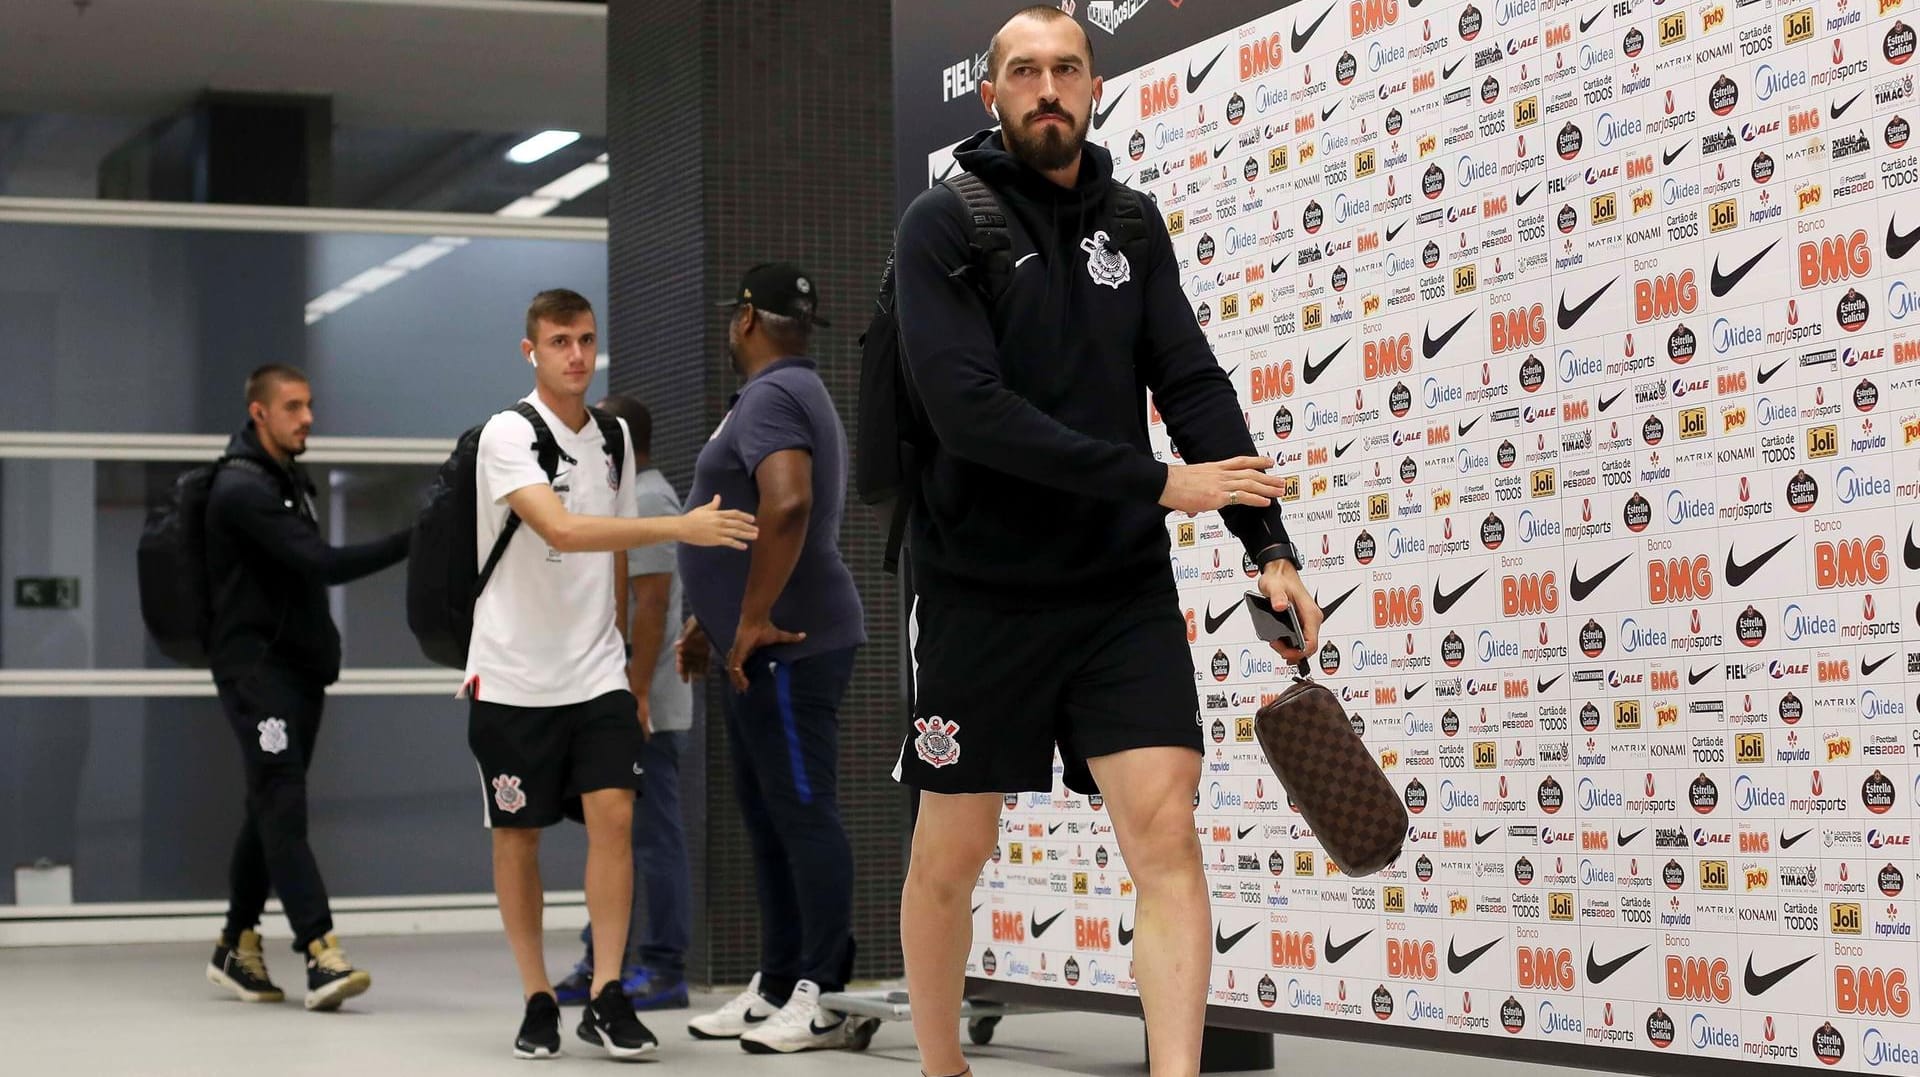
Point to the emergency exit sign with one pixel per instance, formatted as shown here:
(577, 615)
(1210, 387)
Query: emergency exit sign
(46, 592)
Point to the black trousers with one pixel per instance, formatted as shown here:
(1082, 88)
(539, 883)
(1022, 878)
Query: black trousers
(276, 718)
(784, 736)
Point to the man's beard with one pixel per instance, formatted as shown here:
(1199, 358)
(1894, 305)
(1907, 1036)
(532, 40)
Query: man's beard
(1048, 149)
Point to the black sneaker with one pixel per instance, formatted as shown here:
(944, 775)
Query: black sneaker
(331, 978)
(540, 1030)
(609, 1021)
(242, 969)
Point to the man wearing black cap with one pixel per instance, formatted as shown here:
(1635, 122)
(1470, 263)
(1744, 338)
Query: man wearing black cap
(788, 621)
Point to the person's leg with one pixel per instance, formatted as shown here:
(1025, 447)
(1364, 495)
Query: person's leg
(516, 882)
(780, 944)
(660, 842)
(277, 722)
(952, 839)
(609, 815)
(247, 880)
(800, 778)
(1149, 795)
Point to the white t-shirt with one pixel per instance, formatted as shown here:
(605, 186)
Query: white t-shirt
(543, 630)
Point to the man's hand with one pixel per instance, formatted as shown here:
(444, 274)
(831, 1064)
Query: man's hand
(1282, 585)
(693, 651)
(1196, 488)
(711, 525)
(645, 710)
(754, 636)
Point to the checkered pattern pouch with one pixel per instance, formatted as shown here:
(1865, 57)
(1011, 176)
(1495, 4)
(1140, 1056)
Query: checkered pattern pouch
(1331, 778)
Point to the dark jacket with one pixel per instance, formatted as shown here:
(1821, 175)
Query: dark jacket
(269, 569)
(1044, 487)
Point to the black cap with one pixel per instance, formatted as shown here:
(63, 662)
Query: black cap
(779, 288)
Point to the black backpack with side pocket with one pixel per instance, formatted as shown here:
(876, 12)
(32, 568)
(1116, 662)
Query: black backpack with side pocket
(176, 590)
(895, 439)
(443, 581)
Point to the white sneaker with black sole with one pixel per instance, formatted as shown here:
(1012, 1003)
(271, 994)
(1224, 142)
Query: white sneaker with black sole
(801, 1025)
(747, 1011)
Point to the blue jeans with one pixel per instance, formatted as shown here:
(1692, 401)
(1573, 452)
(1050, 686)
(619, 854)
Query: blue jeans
(663, 882)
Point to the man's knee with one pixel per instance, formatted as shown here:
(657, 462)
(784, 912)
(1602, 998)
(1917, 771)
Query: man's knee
(513, 841)
(609, 815)
(277, 797)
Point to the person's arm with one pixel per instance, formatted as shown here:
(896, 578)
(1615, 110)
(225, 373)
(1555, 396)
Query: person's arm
(785, 479)
(509, 467)
(955, 365)
(649, 594)
(620, 597)
(1192, 393)
(252, 509)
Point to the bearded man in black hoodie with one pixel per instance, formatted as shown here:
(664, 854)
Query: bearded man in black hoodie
(1046, 614)
(274, 651)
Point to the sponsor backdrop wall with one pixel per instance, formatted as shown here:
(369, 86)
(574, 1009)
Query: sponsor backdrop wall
(1583, 331)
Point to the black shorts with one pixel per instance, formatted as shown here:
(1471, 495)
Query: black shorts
(536, 762)
(995, 692)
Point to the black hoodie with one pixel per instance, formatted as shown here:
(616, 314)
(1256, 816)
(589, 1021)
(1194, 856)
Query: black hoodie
(269, 569)
(1044, 488)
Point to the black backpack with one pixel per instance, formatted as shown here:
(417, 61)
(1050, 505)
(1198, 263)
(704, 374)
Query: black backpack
(442, 582)
(894, 437)
(176, 592)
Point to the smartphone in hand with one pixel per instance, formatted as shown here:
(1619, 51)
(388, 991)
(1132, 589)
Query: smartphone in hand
(1282, 626)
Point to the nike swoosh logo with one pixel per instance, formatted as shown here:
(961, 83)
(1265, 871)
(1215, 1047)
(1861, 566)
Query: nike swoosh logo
(1696, 676)
(1580, 588)
(1341, 450)
(1898, 243)
(1040, 926)
(1912, 552)
(1480, 836)
(977, 908)
(1243, 833)
(1314, 370)
(1431, 347)
(1599, 972)
(1607, 402)
(1521, 199)
(1022, 260)
(813, 1026)
(1464, 427)
(1570, 316)
(1221, 148)
(1299, 39)
(1393, 232)
(1126, 934)
(1326, 611)
(1100, 114)
(1738, 574)
(1667, 158)
(1415, 690)
(1624, 839)
(1447, 71)
(1458, 963)
(1761, 983)
(1722, 284)
(1193, 82)
(1868, 669)
(1336, 951)
(1541, 686)
(1587, 23)
(1054, 828)
(1275, 267)
(1214, 622)
(756, 1018)
(1223, 943)
(1444, 600)
(1834, 112)
(1767, 375)
(1788, 843)
(1327, 113)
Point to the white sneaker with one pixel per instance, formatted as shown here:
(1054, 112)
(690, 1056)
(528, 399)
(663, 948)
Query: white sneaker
(801, 1025)
(748, 1010)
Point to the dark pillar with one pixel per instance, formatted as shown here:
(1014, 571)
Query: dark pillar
(743, 131)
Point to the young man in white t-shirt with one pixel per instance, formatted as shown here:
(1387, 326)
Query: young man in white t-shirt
(552, 724)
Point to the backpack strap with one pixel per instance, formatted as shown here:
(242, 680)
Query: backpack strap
(989, 235)
(549, 453)
(615, 442)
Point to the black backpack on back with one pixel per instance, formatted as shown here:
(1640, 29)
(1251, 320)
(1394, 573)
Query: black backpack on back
(176, 591)
(894, 437)
(442, 581)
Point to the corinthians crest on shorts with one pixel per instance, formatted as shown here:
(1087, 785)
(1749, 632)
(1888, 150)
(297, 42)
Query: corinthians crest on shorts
(938, 743)
(1105, 263)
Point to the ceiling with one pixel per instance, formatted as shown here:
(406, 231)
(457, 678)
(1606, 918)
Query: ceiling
(498, 66)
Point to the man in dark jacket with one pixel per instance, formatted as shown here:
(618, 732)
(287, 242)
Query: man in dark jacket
(274, 650)
(1046, 613)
